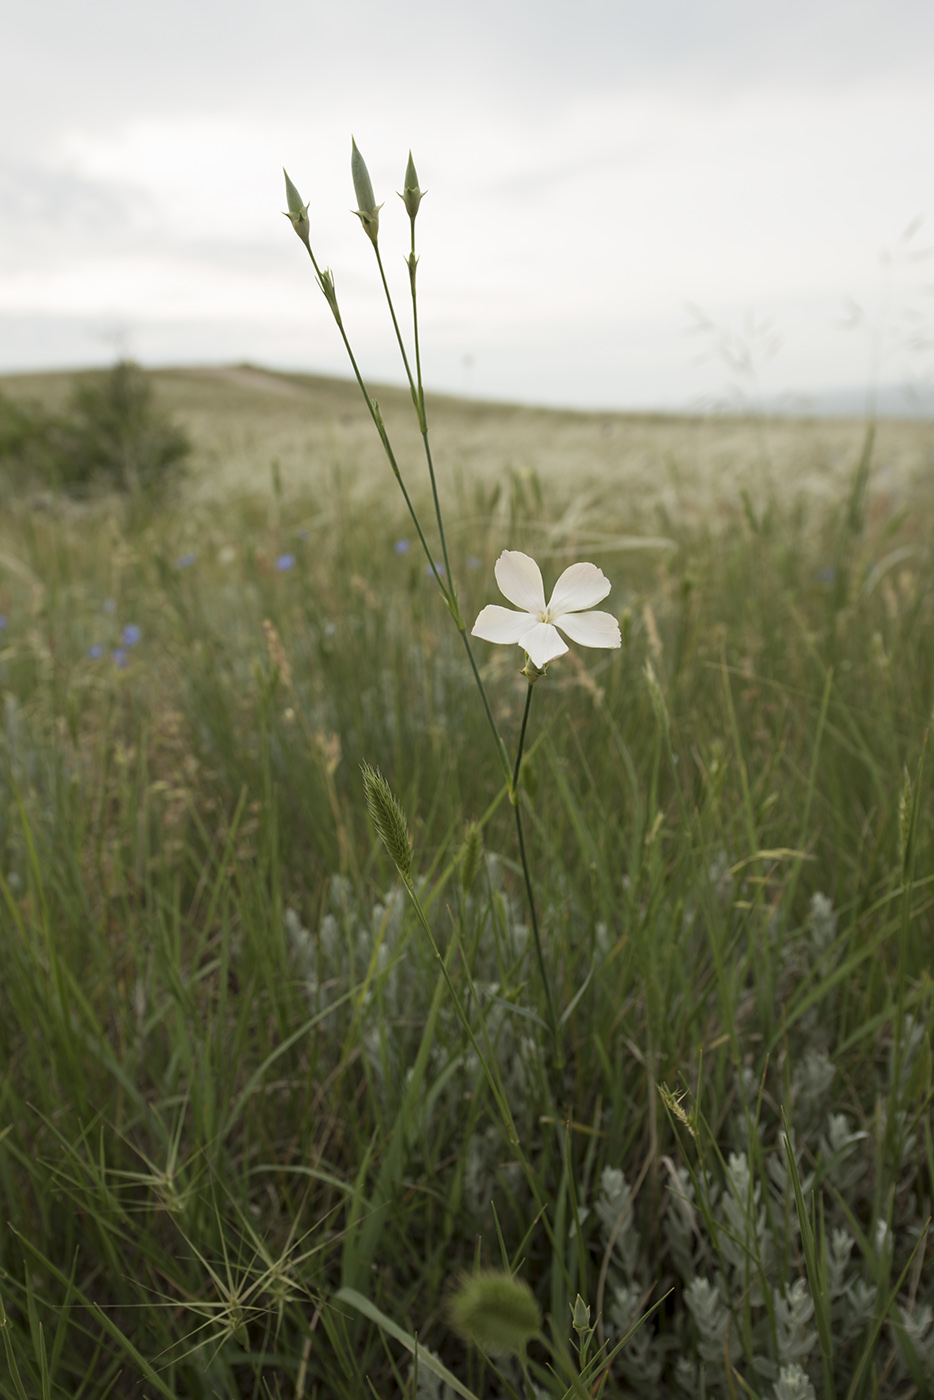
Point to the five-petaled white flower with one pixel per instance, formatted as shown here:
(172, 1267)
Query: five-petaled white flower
(535, 628)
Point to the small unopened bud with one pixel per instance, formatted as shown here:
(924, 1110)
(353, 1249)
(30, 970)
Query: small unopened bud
(367, 210)
(297, 212)
(580, 1316)
(378, 419)
(411, 195)
(497, 1312)
(326, 283)
(389, 819)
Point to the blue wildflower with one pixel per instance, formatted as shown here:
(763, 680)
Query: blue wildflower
(131, 635)
(96, 651)
(438, 568)
(121, 657)
(4, 623)
(285, 562)
(401, 546)
(473, 562)
(185, 561)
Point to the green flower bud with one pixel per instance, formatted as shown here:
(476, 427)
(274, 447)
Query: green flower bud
(411, 195)
(389, 819)
(367, 210)
(297, 212)
(496, 1311)
(580, 1316)
(326, 283)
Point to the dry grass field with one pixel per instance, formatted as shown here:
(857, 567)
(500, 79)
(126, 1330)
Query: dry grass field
(690, 468)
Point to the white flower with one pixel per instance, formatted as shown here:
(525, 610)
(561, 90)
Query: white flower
(535, 628)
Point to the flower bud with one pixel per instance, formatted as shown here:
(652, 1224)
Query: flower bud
(367, 210)
(297, 212)
(326, 283)
(411, 195)
(580, 1316)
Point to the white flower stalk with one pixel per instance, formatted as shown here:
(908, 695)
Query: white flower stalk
(569, 608)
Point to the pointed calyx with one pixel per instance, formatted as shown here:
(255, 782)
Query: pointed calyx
(367, 210)
(411, 195)
(297, 212)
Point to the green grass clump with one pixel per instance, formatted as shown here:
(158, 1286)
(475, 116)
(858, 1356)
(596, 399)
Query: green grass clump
(244, 1091)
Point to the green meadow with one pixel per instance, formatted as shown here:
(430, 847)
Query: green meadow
(266, 1115)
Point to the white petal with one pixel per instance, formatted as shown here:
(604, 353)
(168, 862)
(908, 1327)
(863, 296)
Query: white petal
(579, 587)
(543, 643)
(520, 580)
(591, 629)
(496, 624)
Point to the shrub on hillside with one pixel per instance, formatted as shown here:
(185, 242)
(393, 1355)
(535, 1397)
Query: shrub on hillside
(115, 436)
(111, 436)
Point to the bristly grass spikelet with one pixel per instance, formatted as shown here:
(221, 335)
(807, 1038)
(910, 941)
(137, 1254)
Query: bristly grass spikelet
(471, 854)
(388, 817)
(496, 1312)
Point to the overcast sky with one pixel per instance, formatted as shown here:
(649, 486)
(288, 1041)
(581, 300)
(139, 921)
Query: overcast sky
(593, 170)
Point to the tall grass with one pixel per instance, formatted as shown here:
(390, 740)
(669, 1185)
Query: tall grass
(247, 1143)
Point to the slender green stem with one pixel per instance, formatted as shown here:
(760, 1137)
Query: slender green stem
(536, 934)
(446, 587)
(419, 391)
(418, 398)
(387, 448)
(395, 324)
(489, 1065)
(419, 394)
(413, 264)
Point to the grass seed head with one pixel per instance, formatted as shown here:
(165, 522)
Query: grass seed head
(657, 698)
(471, 855)
(496, 1312)
(389, 819)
